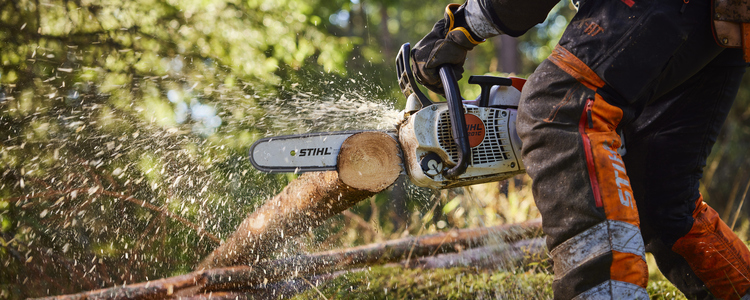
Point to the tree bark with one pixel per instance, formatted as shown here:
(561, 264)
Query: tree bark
(368, 163)
(270, 271)
(491, 257)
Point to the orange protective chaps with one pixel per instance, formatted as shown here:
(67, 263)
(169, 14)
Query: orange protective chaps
(715, 254)
(603, 210)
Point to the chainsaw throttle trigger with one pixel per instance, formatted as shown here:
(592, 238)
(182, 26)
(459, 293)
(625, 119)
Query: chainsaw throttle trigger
(458, 121)
(487, 82)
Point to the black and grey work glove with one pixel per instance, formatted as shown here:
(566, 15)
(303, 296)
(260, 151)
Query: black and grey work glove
(447, 43)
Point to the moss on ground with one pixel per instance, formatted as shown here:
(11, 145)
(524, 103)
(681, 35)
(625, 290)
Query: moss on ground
(454, 283)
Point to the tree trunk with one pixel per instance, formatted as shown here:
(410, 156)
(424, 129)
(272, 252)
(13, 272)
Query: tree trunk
(368, 163)
(386, 39)
(507, 54)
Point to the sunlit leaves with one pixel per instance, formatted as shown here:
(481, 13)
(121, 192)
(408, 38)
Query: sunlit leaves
(157, 111)
(151, 168)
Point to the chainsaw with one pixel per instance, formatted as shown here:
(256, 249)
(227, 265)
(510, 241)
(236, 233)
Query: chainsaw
(444, 144)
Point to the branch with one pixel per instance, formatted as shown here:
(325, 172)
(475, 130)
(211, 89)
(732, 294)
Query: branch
(360, 221)
(167, 213)
(489, 257)
(46, 194)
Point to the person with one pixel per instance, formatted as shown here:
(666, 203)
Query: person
(651, 72)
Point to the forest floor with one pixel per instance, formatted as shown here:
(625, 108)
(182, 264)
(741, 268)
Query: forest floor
(395, 282)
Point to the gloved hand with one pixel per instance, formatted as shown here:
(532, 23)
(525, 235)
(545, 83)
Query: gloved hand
(447, 43)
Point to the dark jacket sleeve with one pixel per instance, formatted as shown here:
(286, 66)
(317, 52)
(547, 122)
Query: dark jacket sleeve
(515, 17)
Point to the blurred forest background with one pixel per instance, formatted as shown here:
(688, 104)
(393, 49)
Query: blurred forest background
(125, 126)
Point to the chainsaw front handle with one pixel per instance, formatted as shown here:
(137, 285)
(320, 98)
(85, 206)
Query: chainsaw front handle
(458, 121)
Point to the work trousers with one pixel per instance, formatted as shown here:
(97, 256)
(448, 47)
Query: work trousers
(650, 73)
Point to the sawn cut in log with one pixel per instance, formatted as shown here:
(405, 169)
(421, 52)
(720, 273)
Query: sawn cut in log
(407, 250)
(368, 163)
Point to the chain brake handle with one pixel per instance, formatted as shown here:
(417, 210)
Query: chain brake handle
(458, 121)
(406, 79)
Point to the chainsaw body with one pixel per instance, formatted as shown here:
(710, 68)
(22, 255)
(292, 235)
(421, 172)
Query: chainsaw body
(444, 144)
(427, 136)
(429, 149)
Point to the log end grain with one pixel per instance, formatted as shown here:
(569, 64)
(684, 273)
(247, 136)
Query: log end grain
(369, 161)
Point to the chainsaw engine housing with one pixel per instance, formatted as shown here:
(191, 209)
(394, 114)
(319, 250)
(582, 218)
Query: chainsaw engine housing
(429, 147)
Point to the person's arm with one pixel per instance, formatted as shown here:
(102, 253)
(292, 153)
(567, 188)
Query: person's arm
(465, 26)
(511, 17)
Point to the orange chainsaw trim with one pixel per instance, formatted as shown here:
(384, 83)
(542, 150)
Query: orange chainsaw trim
(518, 83)
(716, 254)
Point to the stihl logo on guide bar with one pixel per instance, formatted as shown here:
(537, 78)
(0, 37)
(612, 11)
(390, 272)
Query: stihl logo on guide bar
(315, 151)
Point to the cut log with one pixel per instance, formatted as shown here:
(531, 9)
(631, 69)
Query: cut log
(364, 163)
(270, 271)
(368, 163)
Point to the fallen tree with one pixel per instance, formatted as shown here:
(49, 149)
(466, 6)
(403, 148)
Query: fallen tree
(368, 163)
(491, 258)
(405, 251)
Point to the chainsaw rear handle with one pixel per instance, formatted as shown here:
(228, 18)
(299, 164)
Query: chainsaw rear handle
(458, 121)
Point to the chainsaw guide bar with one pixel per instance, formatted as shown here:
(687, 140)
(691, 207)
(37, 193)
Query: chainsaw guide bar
(299, 153)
